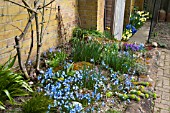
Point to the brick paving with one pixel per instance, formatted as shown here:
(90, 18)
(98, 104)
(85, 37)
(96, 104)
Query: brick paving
(162, 86)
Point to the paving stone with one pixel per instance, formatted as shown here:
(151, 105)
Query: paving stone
(167, 75)
(162, 106)
(166, 88)
(167, 63)
(158, 100)
(162, 89)
(162, 56)
(160, 72)
(167, 71)
(159, 83)
(164, 111)
(165, 96)
(156, 110)
(166, 102)
(166, 82)
(161, 63)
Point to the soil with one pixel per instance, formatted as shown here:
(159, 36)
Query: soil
(161, 34)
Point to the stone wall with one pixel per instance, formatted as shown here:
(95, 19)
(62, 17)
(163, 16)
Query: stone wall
(13, 19)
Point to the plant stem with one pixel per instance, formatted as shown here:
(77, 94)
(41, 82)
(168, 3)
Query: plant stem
(23, 69)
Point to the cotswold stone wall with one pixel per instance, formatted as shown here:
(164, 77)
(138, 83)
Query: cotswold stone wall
(13, 19)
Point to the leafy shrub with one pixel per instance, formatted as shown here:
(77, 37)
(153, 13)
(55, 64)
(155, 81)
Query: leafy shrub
(11, 84)
(37, 104)
(83, 51)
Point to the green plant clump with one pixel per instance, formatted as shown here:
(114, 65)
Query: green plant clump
(37, 104)
(82, 33)
(56, 58)
(83, 51)
(11, 84)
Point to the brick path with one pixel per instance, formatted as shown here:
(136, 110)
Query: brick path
(162, 86)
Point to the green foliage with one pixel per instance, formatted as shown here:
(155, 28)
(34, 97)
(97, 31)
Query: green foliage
(118, 61)
(83, 51)
(82, 33)
(138, 18)
(140, 69)
(37, 104)
(57, 58)
(11, 84)
(113, 111)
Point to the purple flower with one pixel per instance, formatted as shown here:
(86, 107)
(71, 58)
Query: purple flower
(51, 50)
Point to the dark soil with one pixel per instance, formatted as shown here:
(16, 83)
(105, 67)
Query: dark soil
(161, 34)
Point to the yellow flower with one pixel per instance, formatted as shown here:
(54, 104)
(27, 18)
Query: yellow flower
(129, 35)
(127, 32)
(140, 12)
(108, 28)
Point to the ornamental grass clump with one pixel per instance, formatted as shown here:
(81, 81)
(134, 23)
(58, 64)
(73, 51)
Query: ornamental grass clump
(11, 84)
(118, 61)
(85, 51)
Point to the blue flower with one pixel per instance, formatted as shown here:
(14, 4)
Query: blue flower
(134, 30)
(58, 85)
(120, 87)
(114, 76)
(51, 50)
(116, 82)
(128, 100)
(128, 26)
(141, 46)
(103, 103)
(75, 87)
(53, 88)
(42, 81)
(39, 77)
(73, 110)
(30, 62)
(92, 60)
(98, 96)
(112, 101)
(49, 106)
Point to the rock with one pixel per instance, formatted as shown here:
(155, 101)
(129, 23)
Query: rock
(162, 15)
(149, 79)
(154, 44)
(168, 17)
(141, 107)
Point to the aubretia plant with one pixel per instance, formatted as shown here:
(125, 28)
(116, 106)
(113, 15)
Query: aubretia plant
(133, 47)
